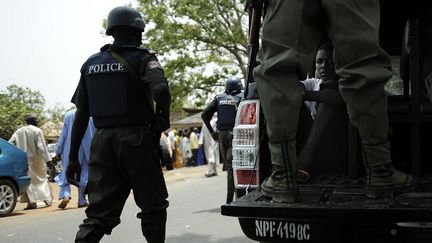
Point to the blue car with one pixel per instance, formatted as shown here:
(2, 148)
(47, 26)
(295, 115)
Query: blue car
(14, 179)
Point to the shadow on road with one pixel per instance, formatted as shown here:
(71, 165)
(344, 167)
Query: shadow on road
(213, 210)
(196, 238)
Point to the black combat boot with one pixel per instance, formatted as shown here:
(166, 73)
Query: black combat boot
(153, 225)
(382, 179)
(281, 185)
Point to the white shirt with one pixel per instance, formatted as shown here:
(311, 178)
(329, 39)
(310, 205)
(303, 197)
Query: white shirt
(171, 139)
(312, 84)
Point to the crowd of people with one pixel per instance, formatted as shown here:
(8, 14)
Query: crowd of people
(189, 147)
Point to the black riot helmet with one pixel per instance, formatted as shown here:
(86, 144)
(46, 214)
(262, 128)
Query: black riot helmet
(233, 84)
(124, 16)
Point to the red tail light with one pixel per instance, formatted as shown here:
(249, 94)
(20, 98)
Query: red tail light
(246, 145)
(246, 177)
(247, 114)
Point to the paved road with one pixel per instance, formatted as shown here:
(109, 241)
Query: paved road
(193, 216)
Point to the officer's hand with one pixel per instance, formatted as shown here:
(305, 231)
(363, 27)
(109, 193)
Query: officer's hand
(73, 172)
(162, 123)
(215, 136)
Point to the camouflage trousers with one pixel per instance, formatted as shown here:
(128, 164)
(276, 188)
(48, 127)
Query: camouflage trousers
(292, 32)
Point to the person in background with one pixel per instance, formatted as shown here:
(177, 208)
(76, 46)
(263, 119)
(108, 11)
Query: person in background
(185, 147)
(178, 154)
(62, 152)
(211, 148)
(165, 150)
(201, 159)
(225, 104)
(171, 139)
(194, 146)
(31, 140)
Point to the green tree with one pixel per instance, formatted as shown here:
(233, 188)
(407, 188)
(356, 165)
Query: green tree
(15, 103)
(56, 114)
(200, 44)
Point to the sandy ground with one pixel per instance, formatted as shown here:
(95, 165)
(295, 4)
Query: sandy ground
(173, 176)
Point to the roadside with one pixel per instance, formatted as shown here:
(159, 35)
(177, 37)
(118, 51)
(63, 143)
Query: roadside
(173, 176)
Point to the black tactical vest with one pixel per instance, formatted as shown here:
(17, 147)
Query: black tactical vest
(226, 110)
(116, 97)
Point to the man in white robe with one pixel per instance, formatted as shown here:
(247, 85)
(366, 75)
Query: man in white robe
(211, 148)
(185, 148)
(30, 139)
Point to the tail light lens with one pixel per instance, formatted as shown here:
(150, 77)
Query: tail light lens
(246, 177)
(246, 145)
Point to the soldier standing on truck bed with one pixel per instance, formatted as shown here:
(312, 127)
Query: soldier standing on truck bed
(117, 88)
(225, 105)
(292, 31)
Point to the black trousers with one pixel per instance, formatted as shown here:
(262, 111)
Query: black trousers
(325, 149)
(225, 149)
(193, 160)
(121, 160)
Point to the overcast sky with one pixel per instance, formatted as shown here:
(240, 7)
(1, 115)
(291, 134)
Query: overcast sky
(43, 43)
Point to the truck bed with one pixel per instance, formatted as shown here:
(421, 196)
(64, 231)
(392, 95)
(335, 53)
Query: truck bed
(339, 214)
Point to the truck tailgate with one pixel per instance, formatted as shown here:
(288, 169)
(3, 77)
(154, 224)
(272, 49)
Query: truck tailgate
(324, 213)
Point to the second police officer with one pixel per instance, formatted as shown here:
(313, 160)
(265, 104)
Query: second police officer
(118, 86)
(225, 104)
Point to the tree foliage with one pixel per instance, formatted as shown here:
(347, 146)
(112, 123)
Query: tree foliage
(200, 43)
(56, 114)
(15, 103)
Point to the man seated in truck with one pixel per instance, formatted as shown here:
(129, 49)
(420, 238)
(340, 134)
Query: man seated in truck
(292, 31)
(326, 140)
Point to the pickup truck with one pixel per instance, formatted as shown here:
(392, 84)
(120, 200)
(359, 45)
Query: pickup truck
(335, 208)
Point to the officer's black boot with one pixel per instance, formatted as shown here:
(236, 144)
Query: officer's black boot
(94, 238)
(153, 226)
(230, 183)
(230, 186)
(90, 231)
(281, 185)
(382, 180)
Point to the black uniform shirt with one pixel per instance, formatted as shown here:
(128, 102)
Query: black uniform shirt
(139, 111)
(226, 106)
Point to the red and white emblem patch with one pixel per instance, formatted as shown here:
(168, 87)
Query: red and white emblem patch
(153, 65)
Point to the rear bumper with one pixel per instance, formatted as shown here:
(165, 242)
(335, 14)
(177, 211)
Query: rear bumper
(339, 215)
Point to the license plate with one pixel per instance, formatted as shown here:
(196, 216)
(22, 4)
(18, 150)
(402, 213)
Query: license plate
(289, 230)
(282, 230)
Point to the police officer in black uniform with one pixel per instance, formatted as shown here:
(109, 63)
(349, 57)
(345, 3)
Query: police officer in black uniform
(225, 105)
(118, 87)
